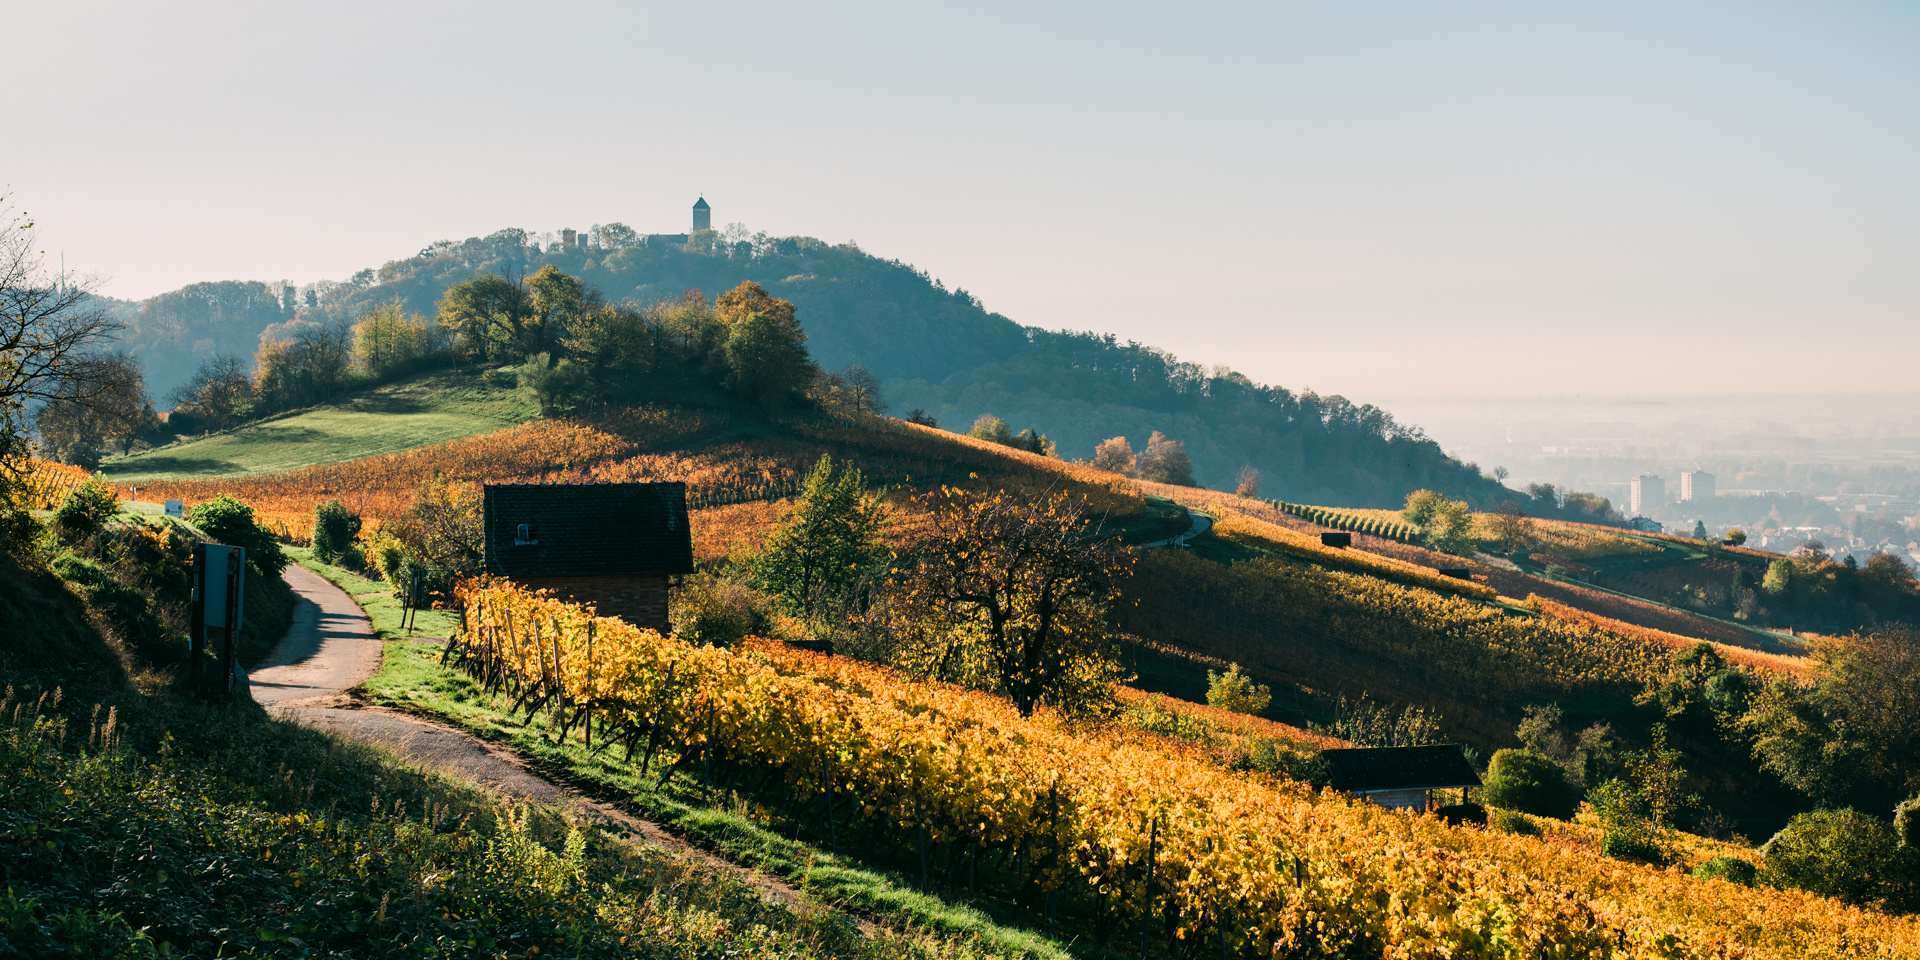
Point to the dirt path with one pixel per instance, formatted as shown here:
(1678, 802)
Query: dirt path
(1201, 524)
(330, 648)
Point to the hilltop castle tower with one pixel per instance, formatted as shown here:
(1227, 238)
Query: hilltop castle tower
(702, 215)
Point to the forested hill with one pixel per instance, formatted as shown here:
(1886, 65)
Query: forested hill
(931, 347)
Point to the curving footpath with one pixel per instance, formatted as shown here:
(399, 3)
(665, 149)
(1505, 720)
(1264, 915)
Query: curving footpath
(330, 649)
(1201, 524)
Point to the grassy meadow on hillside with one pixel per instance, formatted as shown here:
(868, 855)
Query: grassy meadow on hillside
(420, 411)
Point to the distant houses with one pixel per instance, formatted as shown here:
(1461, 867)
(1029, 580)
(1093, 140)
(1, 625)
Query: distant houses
(613, 545)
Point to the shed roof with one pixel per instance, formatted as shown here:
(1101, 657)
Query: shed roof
(578, 529)
(1366, 769)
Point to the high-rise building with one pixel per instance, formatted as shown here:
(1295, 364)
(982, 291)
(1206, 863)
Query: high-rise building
(702, 215)
(1648, 492)
(1696, 485)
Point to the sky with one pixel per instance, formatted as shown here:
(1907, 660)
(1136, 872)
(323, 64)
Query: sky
(1361, 198)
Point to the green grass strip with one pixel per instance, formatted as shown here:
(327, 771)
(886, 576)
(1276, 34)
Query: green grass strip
(412, 679)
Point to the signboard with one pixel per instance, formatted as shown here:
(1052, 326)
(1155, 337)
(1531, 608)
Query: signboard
(176, 509)
(219, 604)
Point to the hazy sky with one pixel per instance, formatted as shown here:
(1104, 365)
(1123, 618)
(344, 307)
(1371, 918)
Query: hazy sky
(1362, 198)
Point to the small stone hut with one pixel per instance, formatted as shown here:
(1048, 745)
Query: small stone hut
(1400, 777)
(614, 545)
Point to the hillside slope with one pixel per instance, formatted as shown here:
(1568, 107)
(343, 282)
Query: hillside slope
(932, 348)
(1317, 625)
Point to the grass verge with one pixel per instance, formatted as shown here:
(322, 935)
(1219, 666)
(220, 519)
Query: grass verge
(376, 598)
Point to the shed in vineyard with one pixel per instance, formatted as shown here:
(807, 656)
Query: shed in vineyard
(616, 546)
(1400, 777)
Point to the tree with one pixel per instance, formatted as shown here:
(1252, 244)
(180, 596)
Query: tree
(1446, 524)
(767, 361)
(991, 429)
(853, 390)
(1736, 537)
(556, 387)
(1512, 529)
(827, 544)
(1236, 691)
(1247, 484)
(219, 394)
(1115, 455)
(1530, 783)
(863, 389)
(442, 534)
(334, 527)
(51, 334)
(1014, 595)
(556, 301)
(751, 299)
(921, 417)
(1659, 779)
(311, 362)
(388, 341)
(616, 236)
(491, 312)
(1699, 529)
(113, 410)
(1165, 461)
(1032, 441)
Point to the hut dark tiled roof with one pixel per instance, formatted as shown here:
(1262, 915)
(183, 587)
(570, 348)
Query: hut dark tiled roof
(575, 529)
(1367, 769)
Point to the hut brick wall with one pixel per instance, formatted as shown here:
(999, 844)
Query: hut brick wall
(637, 598)
(1397, 799)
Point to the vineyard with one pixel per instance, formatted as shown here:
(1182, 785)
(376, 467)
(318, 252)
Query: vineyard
(1237, 526)
(1375, 523)
(615, 448)
(1577, 543)
(48, 483)
(1339, 632)
(1743, 656)
(1137, 837)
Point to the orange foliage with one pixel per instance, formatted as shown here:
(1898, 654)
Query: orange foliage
(1772, 662)
(1273, 862)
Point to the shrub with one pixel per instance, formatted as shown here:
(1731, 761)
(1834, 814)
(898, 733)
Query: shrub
(717, 611)
(1526, 781)
(86, 508)
(334, 527)
(1511, 821)
(1631, 845)
(1730, 869)
(556, 387)
(1906, 823)
(1844, 854)
(231, 522)
(1463, 814)
(389, 557)
(1236, 691)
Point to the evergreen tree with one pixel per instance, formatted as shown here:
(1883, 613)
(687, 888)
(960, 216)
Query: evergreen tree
(829, 541)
